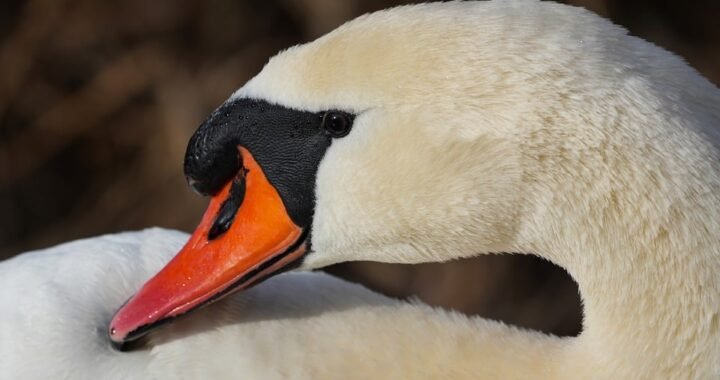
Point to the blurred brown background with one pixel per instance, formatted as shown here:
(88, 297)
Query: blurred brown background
(98, 100)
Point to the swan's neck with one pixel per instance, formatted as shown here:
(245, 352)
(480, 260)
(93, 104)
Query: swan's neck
(642, 243)
(645, 315)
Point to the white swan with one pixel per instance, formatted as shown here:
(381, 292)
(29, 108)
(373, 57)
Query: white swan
(438, 131)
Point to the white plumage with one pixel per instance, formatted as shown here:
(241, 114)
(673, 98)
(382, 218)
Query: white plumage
(57, 303)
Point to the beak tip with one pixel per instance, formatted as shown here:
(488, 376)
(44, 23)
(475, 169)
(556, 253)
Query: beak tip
(113, 332)
(124, 344)
(116, 342)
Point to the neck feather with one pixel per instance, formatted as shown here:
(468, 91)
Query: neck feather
(637, 226)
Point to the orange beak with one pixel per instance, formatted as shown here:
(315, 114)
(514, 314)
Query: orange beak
(245, 236)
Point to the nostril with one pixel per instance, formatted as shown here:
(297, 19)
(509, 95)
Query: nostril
(230, 206)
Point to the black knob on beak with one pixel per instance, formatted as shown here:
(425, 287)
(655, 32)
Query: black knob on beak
(212, 157)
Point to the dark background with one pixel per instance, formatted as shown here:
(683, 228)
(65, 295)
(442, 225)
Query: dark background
(99, 98)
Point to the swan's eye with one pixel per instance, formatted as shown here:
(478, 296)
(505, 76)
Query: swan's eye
(336, 124)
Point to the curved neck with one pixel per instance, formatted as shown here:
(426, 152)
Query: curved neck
(642, 243)
(649, 307)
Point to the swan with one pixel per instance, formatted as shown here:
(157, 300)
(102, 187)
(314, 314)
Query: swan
(439, 131)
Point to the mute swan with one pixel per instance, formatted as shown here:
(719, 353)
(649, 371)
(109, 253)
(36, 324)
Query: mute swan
(438, 131)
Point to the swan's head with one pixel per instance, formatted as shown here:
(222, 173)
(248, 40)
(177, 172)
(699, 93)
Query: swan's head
(391, 139)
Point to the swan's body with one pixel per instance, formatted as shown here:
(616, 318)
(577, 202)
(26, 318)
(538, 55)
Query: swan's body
(296, 326)
(63, 298)
(513, 126)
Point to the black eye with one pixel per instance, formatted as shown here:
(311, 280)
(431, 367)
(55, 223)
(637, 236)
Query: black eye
(337, 124)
